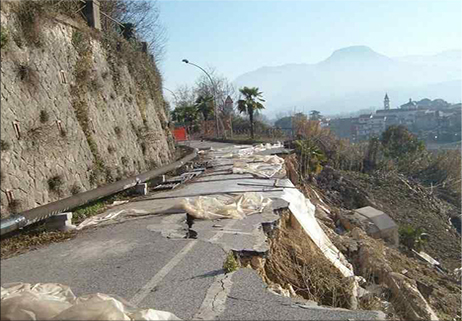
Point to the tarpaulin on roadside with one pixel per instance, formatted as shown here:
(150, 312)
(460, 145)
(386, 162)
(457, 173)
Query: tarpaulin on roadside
(52, 301)
(94, 220)
(238, 207)
(260, 166)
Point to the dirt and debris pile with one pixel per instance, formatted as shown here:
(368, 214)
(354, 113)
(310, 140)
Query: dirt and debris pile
(407, 202)
(294, 261)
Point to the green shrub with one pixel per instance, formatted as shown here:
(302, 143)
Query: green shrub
(4, 145)
(230, 264)
(80, 41)
(29, 14)
(87, 211)
(15, 206)
(44, 116)
(75, 189)
(398, 141)
(27, 74)
(55, 183)
(109, 176)
(4, 37)
(411, 237)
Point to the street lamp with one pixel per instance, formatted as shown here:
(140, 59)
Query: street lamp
(173, 94)
(176, 101)
(186, 61)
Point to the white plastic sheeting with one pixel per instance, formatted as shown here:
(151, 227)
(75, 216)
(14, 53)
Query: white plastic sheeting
(204, 207)
(243, 151)
(52, 301)
(260, 166)
(303, 210)
(98, 219)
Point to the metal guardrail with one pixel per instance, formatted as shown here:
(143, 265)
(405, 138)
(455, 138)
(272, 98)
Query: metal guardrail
(17, 221)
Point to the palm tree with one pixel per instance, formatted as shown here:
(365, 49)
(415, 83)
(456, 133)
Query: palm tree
(186, 115)
(204, 105)
(251, 103)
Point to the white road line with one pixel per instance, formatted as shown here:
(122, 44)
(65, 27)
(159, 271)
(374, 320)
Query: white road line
(146, 289)
(158, 277)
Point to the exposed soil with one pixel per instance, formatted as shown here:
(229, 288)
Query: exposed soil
(295, 260)
(406, 202)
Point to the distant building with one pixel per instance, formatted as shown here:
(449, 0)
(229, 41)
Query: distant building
(411, 105)
(344, 127)
(377, 125)
(229, 105)
(386, 102)
(427, 118)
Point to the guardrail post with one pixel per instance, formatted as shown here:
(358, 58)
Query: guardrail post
(91, 12)
(141, 189)
(61, 222)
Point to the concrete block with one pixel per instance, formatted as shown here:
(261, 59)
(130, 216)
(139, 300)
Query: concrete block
(61, 222)
(141, 189)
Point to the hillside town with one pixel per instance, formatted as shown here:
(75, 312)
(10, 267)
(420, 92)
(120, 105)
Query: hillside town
(431, 120)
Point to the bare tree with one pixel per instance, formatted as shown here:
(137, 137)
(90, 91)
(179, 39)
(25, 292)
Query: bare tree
(224, 87)
(185, 96)
(144, 16)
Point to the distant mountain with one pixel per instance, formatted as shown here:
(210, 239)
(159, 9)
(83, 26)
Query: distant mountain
(354, 78)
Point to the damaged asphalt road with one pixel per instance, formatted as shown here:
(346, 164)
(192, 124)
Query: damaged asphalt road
(148, 262)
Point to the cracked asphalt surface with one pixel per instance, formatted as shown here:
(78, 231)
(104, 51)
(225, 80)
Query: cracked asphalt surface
(135, 261)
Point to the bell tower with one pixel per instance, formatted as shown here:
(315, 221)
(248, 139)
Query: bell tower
(386, 102)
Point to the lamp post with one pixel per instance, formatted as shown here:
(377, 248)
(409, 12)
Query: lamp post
(186, 61)
(176, 100)
(173, 94)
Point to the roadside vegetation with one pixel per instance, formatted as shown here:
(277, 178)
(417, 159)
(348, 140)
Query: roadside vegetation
(418, 189)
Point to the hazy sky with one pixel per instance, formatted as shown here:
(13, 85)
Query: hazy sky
(240, 36)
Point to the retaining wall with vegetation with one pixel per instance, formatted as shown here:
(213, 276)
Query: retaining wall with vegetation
(79, 108)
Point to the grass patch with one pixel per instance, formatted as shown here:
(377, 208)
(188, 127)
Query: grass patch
(44, 116)
(29, 15)
(110, 149)
(97, 207)
(89, 210)
(27, 74)
(230, 264)
(4, 37)
(31, 239)
(75, 189)
(55, 183)
(294, 259)
(15, 206)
